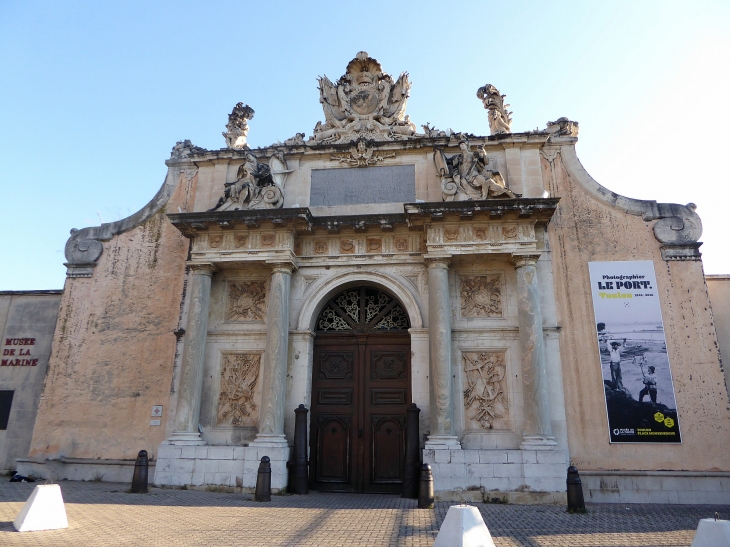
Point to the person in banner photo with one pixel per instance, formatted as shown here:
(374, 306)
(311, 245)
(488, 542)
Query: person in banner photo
(615, 353)
(638, 387)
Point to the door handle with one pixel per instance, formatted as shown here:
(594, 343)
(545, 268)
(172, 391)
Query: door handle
(359, 434)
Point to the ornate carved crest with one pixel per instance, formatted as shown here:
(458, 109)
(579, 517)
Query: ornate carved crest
(246, 301)
(257, 185)
(237, 127)
(466, 176)
(364, 103)
(485, 391)
(500, 119)
(239, 375)
(361, 155)
(481, 296)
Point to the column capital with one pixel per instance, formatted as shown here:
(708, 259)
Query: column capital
(437, 261)
(281, 266)
(202, 268)
(520, 260)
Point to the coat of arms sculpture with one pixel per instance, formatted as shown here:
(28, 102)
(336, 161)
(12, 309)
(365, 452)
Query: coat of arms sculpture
(365, 103)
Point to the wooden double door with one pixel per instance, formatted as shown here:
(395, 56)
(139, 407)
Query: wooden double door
(361, 387)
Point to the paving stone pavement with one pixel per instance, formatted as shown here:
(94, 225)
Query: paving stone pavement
(103, 514)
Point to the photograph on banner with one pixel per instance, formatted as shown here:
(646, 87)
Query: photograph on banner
(637, 380)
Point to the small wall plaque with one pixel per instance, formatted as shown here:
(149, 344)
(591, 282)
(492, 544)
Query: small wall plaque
(156, 411)
(154, 422)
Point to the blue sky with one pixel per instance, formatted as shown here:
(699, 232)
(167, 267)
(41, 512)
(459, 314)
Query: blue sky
(95, 94)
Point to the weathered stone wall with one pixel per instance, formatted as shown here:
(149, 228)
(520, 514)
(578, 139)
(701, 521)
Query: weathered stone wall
(113, 349)
(718, 287)
(27, 322)
(585, 229)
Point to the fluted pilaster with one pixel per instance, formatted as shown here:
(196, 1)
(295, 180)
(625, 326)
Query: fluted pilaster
(441, 401)
(538, 427)
(271, 421)
(191, 372)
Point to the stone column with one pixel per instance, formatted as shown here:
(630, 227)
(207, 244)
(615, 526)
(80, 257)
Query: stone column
(191, 371)
(439, 326)
(273, 395)
(538, 434)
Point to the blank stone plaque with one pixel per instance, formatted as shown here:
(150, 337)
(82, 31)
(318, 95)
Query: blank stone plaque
(358, 185)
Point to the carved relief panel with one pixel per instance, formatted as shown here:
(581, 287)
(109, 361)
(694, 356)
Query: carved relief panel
(246, 301)
(481, 296)
(239, 377)
(486, 403)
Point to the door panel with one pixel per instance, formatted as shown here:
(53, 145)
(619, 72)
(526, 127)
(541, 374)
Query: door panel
(333, 425)
(333, 449)
(360, 392)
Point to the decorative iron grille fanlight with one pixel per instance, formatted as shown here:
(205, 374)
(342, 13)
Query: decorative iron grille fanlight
(362, 310)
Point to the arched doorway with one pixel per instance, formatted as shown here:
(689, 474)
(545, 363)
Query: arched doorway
(361, 387)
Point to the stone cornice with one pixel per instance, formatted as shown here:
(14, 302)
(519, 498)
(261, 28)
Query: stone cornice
(678, 227)
(415, 216)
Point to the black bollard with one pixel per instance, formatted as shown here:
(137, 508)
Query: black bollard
(300, 465)
(263, 481)
(425, 490)
(410, 471)
(141, 473)
(576, 504)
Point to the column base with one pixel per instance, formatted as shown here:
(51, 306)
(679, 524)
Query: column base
(270, 440)
(185, 438)
(538, 442)
(442, 442)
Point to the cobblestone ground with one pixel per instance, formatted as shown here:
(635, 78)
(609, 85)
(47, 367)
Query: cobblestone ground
(103, 514)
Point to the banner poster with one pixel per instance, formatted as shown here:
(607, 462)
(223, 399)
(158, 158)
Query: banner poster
(637, 380)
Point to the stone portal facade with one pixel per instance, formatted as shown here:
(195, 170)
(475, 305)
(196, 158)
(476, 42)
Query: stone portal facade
(232, 298)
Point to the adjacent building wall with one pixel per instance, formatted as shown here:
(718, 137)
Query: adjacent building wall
(27, 322)
(113, 350)
(584, 229)
(718, 287)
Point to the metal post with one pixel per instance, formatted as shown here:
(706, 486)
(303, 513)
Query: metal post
(263, 481)
(141, 472)
(300, 465)
(425, 491)
(575, 491)
(410, 471)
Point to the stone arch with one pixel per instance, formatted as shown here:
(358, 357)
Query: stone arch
(320, 294)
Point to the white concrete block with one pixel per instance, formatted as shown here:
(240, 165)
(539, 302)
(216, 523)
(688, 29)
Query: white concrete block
(711, 533)
(198, 479)
(507, 470)
(552, 456)
(220, 452)
(663, 496)
(44, 510)
(529, 456)
(429, 456)
(514, 456)
(471, 456)
(201, 452)
(239, 453)
(187, 452)
(183, 466)
(457, 456)
(463, 527)
(442, 456)
(479, 471)
(492, 456)
(634, 496)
